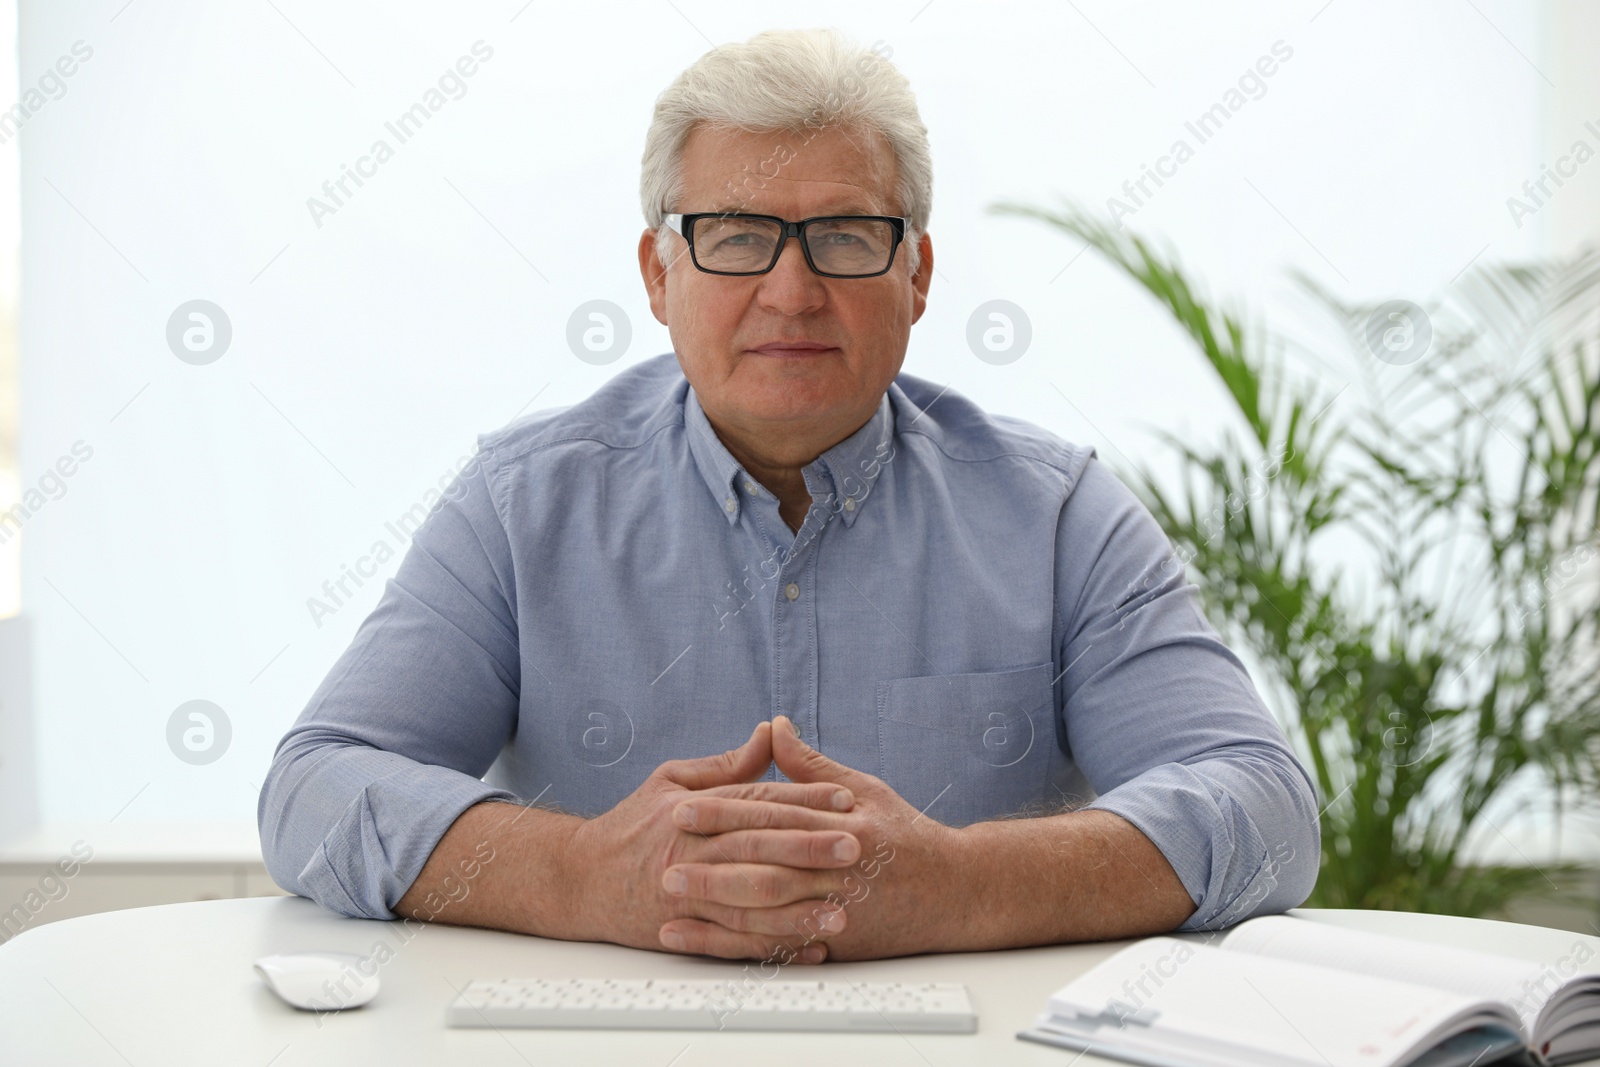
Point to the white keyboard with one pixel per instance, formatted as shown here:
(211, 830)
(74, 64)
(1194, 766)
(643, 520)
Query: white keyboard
(748, 1003)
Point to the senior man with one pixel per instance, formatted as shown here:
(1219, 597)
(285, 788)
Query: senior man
(771, 651)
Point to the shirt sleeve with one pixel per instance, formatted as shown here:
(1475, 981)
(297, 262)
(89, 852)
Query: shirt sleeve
(395, 741)
(1163, 719)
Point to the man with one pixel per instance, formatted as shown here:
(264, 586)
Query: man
(768, 644)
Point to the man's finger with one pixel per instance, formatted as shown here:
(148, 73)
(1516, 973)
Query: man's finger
(748, 885)
(799, 923)
(819, 850)
(743, 764)
(698, 937)
(823, 796)
(707, 814)
(800, 762)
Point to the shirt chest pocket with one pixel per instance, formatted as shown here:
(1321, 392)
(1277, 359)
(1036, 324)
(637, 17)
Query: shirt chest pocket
(974, 746)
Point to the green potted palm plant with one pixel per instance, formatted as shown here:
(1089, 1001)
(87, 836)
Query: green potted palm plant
(1455, 676)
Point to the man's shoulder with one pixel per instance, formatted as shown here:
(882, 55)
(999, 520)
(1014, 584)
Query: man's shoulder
(964, 432)
(624, 413)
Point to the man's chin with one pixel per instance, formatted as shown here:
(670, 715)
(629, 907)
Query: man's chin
(797, 391)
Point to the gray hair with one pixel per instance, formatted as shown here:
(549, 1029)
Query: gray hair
(794, 81)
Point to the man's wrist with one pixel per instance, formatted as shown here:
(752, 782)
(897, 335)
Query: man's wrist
(975, 881)
(568, 877)
(523, 871)
(554, 893)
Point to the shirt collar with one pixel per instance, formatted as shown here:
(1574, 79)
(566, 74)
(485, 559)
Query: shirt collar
(850, 468)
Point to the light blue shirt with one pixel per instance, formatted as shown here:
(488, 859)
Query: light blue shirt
(974, 610)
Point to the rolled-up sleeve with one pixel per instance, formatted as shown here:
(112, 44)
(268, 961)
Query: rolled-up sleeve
(1164, 722)
(394, 743)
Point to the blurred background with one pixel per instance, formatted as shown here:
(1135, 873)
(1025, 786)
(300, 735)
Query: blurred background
(225, 382)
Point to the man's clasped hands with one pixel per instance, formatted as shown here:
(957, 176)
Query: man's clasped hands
(705, 859)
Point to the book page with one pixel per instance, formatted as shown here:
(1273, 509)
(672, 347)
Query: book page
(1162, 996)
(1476, 974)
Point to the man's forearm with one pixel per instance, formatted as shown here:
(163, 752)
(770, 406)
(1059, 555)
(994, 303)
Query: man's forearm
(1081, 876)
(499, 865)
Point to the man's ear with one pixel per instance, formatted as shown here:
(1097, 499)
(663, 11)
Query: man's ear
(654, 274)
(921, 279)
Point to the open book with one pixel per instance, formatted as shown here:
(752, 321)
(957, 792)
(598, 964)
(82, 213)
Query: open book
(1279, 991)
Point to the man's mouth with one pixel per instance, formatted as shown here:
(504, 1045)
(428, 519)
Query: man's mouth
(793, 349)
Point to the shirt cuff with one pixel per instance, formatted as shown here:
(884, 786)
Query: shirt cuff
(385, 836)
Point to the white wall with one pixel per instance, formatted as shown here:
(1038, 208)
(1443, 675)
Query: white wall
(1573, 115)
(10, 259)
(368, 352)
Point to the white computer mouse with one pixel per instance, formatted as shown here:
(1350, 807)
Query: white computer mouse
(320, 981)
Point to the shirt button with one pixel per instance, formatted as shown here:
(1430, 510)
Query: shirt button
(729, 504)
(791, 591)
(750, 487)
(849, 503)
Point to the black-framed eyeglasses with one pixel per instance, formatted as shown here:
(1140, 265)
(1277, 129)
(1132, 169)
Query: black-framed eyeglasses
(835, 246)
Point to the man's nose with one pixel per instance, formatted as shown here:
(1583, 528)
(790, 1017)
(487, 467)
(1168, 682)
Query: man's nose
(791, 286)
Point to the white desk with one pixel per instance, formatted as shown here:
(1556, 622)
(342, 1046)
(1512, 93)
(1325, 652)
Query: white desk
(173, 985)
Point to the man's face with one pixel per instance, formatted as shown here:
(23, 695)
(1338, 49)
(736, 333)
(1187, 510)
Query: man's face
(718, 323)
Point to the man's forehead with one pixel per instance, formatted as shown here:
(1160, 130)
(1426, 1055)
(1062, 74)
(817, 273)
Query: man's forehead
(833, 170)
